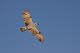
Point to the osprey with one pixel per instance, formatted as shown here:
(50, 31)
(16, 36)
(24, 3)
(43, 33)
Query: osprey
(29, 25)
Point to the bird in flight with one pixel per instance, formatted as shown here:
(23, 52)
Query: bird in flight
(31, 26)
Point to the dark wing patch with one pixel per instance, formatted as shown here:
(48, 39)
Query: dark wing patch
(37, 34)
(30, 16)
(26, 24)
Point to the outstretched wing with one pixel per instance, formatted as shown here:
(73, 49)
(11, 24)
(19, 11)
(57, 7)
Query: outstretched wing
(27, 17)
(35, 32)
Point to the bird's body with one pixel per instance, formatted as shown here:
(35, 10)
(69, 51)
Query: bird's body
(29, 25)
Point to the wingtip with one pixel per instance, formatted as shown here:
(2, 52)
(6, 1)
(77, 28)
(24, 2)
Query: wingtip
(21, 29)
(26, 10)
(41, 40)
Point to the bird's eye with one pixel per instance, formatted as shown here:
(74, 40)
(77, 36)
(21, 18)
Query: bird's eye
(24, 14)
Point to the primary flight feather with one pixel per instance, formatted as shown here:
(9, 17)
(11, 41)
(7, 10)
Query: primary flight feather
(29, 25)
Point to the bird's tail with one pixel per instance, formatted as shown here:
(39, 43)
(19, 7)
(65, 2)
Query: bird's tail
(23, 29)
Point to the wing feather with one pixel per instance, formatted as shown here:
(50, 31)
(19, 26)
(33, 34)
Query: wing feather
(35, 32)
(27, 18)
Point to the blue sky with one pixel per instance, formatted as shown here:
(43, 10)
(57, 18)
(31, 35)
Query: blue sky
(59, 23)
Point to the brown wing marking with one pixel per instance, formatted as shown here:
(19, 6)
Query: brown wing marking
(37, 34)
